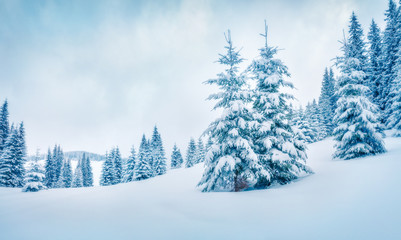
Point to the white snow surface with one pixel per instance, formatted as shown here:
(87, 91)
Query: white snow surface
(354, 199)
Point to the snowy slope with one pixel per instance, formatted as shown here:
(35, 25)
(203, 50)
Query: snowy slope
(357, 199)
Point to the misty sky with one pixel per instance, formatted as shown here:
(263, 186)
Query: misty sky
(90, 75)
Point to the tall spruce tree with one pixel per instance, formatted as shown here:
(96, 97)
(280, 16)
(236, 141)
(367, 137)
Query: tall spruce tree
(358, 130)
(143, 167)
(107, 176)
(58, 158)
(326, 103)
(4, 125)
(394, 119)
(129, 170)
(21, 150)
(191, 158)
(12, 160)
(282, 155)
(158, 155)
(49, 169)
(231, 164)
(87, 175)
(176, 158)
(391, 42)
(118, 166)
(375, 65)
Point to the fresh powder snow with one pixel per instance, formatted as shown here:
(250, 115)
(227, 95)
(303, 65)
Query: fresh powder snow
(354, 199)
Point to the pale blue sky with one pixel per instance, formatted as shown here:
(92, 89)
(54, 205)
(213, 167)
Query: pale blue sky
(93, 74)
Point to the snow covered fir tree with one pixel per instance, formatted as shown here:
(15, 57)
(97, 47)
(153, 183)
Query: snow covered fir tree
(107, 175)
(231, 163)
(191, 158)
(394, 119)
(53, 166)
(391, 46)
(77, 180)
(87, 174)
(303, 126)
(65, 180)
(281, 154)
(158, 155)
(375, 63)
(129, 169)
(4, 125)
(176, 158)
(143, 166)
(12, 151)
(327, 103)
(200, 151)
(112, 171)
(117, 165)
(358, 127)
(34, 179)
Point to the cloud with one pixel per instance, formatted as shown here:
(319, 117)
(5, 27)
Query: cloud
(94, 74)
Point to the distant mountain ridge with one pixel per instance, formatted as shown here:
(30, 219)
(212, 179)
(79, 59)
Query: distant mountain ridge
(74, 155)
(78, 154)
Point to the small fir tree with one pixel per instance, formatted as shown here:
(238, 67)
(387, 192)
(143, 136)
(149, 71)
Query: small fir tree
(129, 170)
(309, 136)
(158, 155)
(34, 178)
(107, 176)
(49, 170)
(143, 167)
(200, 155)
(77, 181)
(65, 180)
(176, 158)
(191, 154)
(87, 175)
(118, 166)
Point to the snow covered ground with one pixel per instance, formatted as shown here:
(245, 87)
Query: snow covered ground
(356, 199)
